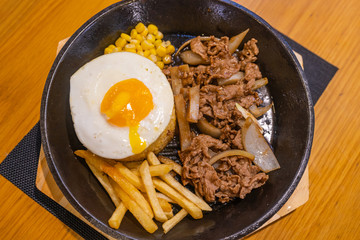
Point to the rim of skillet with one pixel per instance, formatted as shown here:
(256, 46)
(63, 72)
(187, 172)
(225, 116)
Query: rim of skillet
(247, 230)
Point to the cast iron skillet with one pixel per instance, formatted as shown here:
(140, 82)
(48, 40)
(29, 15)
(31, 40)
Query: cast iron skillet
(292, 125)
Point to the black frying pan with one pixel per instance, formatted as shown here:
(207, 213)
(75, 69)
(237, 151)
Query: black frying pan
(291, 126)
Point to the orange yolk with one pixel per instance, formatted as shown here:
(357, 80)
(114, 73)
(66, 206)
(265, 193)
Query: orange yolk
(125, 104)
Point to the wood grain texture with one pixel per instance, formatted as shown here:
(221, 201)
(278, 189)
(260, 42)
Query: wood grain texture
(30, 31)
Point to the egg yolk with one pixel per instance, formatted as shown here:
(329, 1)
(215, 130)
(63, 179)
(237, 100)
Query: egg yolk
(125, 104)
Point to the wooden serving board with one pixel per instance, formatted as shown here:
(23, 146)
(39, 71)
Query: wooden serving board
(46, 183)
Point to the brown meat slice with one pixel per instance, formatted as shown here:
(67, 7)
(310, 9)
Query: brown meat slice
(199, 48)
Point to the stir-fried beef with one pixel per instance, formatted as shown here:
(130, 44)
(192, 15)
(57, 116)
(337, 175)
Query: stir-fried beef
(232, 176)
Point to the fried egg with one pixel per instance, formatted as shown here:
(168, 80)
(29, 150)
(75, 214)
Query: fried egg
(120, 104)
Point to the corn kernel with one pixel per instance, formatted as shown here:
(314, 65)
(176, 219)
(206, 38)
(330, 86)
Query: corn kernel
(133, 33)
(152, 57)
(125, 36)
(108, 50)
(146, 45)
(134, 41)
(170, 49)
(160, 64)
(139, 37)
(140, 27)
(111, 46)
(131, 50)
(117, 49)
(138, 47)
(146, 53)
(159, 35)
(153, 29)
(145, 32)
(167, 43)
(120, 42)
(157, 42)
(166, 59)
(141, 53)
(161, 51)
(150, 38)
(152, 51)
(130, 47)
(159, 59)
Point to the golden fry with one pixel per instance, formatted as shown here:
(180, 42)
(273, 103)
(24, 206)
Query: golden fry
(150, 191)
(130, 176)
(178, 186)
(104, 181)
(175, 166)
(186, 192)
(163, 196)
(117, 216)
(111, 171)
(190, 207)
(131, 165)
(169, 224)
(157, 170)
(136, 210)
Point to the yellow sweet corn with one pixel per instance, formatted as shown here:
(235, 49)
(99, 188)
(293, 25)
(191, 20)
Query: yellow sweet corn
(166, 59)
(160, 64)
(153, 29)
(140, 27)
(125, 36)
(133, 34)
(146, 45)
(161, 51)
(170, 49)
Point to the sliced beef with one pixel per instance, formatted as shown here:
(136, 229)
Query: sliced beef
(198, 47)
(234, 176)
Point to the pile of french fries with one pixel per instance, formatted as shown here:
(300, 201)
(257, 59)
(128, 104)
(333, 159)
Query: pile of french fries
(147, 189)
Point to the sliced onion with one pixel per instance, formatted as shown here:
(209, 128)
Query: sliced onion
(192, 58)
(231, 80)
(229, 153)
(209, 129)
(246, 114)
(259, 111)
(260, 83)
(193, 106)
(255, 143)
(235, 41)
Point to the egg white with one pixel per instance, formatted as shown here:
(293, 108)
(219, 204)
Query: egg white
(88, 87)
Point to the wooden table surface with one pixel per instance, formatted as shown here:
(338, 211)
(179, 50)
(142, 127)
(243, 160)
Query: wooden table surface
(30, 31)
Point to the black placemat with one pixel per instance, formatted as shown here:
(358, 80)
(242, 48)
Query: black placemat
(20, 166)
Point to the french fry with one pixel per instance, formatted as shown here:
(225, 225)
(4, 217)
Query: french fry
(157, 170)
(186, 192)
(117, 216)
(135, 209)
(163, 196)
(184, 127)
(165, 205)
(190, 207)
(178, 186)
(169, 214)
(104, 181)
(112, 172)
(131, 165)
(175, 166)
(169, 224)
(150, 191)
(130, 176)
